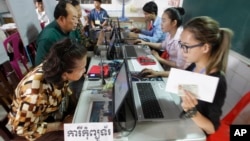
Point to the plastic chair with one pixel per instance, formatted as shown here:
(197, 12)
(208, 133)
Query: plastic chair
(15, 40)
(223, 133)
(5, 99)
(6, 95)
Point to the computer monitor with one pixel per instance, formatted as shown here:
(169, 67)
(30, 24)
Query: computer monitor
(121, 89)
(119, 30)
(114, 48)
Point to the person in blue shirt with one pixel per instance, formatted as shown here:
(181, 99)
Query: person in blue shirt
(98, 19)
(98, 15)
(155, 34)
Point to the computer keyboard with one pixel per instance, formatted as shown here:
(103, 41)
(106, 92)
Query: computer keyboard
(130, 51)
(149, 102)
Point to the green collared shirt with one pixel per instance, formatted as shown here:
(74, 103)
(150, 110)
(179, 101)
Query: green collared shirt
(48, 36)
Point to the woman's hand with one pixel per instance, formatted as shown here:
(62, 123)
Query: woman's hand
(133, 35)
(68, 119)
(149, 73)
(189, 101)
(156, 54)
(135, 30)
(140, 42)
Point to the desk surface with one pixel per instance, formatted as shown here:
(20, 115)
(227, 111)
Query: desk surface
(183, 129)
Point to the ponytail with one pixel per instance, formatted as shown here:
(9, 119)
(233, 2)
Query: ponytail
(219, 55)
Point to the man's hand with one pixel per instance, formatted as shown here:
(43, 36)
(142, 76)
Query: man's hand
(135, 30)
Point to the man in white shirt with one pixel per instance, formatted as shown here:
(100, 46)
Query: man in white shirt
(42, 17)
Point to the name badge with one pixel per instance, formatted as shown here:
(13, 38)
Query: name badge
(97, 22)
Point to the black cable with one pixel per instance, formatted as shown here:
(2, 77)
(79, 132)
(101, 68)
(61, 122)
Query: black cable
(105, 40)
(134, 124)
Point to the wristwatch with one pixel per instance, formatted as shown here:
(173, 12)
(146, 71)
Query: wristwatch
(190, 113)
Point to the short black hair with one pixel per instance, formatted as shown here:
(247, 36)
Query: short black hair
(38, 0)
(98, 1)
(75, 2)
(60, 9)
(150, 7)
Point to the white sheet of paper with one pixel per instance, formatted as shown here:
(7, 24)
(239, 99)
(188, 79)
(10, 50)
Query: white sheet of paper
(207, 85)
(138, 67)
(101, 131)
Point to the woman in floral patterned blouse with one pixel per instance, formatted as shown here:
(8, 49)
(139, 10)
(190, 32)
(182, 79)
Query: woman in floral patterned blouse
(36, 104)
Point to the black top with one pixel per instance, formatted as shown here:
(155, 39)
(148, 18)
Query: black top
(213, 111)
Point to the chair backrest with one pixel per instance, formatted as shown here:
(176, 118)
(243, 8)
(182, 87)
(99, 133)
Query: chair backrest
(6, 93)
(223, 133)
(232, 115)
(8, 83)
(15, 40)
(18, 53)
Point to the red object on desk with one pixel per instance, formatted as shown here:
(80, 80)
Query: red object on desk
(143, 60)
(95, 69)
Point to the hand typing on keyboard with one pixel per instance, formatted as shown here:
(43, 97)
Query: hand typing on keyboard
(148, 73)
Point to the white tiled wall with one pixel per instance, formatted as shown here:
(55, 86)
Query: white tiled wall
(238, 81)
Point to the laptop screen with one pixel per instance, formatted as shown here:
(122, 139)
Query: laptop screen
(121, 88)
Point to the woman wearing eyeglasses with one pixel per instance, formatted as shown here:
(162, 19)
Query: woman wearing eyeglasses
(36, 110)
(205, 45)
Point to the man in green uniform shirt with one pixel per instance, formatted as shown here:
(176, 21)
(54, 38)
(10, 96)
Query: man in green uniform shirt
(66, 19)
(64, 25)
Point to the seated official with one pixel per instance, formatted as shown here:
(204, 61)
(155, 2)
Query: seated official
(155, 34)
(63, 26)
(97, 15)
(205, 45)
(98, 19)
(39, 107)
(171, 24)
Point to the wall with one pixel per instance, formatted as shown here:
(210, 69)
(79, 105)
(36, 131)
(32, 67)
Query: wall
(238, 80)
(133, 8)
(3, 6)
(3, 10)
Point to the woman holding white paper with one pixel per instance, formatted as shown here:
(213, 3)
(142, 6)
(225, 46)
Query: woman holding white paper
(205, 45)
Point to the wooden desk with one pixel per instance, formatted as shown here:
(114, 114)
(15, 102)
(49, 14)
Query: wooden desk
(146, 131)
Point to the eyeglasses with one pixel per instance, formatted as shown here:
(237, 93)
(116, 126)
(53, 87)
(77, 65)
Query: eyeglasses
(185, 47)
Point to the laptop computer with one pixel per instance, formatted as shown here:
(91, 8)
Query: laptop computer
(121, 88)
(154, 104)
(134, 51)
(161, 100)
(112, 50)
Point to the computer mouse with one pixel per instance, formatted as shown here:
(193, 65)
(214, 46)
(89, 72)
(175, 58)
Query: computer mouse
(137, 42)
